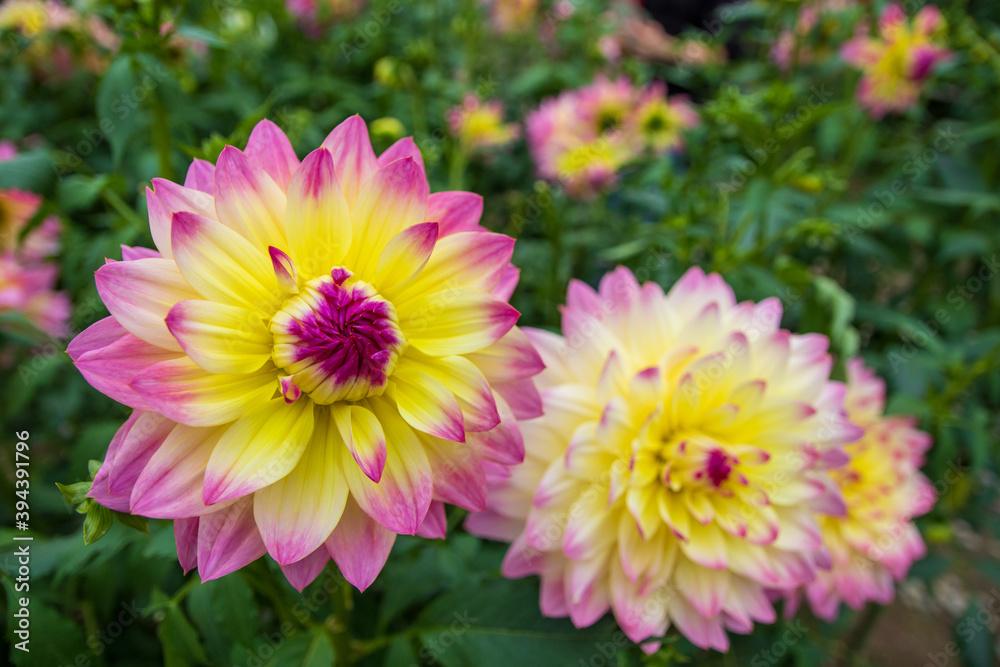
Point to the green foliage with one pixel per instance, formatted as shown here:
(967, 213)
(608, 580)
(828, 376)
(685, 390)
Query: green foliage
(882, 235)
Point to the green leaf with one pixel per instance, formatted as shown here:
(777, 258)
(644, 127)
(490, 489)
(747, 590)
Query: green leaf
(97, 523)
(74, 493)
(77, 192)
(53, 639)
(312, 649)
(498, 624)
(121, 106)
(974, 637)
(181, 647)
(225, 614)
(139, 523)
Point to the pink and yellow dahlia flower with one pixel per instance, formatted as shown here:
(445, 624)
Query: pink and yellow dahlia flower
(895, 65)
(876, 542)
(318, 355)
(477, 124)
(584, 137)
(677, 472)
(27, 279)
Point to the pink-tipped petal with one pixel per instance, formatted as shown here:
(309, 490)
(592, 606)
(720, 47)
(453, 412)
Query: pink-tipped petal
(435, 525)
(455, 211)
(354, 160)
(228, 540)
(359, 546)
(269, 149)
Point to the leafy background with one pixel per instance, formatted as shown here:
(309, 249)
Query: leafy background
(901, 277)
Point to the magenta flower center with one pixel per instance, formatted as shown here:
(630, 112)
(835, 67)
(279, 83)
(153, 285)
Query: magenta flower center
(337, 341)
(718, 467)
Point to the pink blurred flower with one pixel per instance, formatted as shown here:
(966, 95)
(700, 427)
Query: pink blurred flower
(27, 280)
(876, 542)
(681, 462)
(60, 39)
(895, 64)
(584, 137)
(480, 124)
(316, 15)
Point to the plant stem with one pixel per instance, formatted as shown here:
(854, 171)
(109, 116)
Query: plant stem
(124, 210)
(342, 606)
(855, 639)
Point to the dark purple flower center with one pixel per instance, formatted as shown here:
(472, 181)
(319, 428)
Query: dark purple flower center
(718, 467)
(338, 341)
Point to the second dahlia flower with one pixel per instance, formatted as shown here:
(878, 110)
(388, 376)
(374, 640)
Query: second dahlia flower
(876, 542)
(319, 355)
(480, 124)
(584, 137)
(27, 278)
(895, 65)
(676, 474)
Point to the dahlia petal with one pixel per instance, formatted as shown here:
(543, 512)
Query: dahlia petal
(220, 338)
(302, 573)
(353, 157)
(270, 150)
(638, 616)
(425, 403)
(401, 498)
(183, 391)
(170, 486)
(359, 546)
(522, 396)
(258, 450)
(455, 321)
(167, 198)
(109, 357)
(455, 211)
(459, 478)
(552, 597)
(141, 438)
(502, 444)
(494, 526)
(435, 524)
(393, 200)
(186, 537)
(705, 589)
(403, 148)
(248, 201)
(130, 253)
(297, 513)
(405, 255)
(466, 383)
(101, 494)
(702, 632)
(513, 357)
(507, 284)
(200, 176)
(473, 260)
(228, 540)
(706, 546)
(316, 216)
(140, 293)
(222, 265)
(362, 432)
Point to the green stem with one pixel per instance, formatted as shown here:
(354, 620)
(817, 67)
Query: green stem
(855, 640)
(161, 137)
(124, 210)
(456, 173)
(259, 577)
(343, 603)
